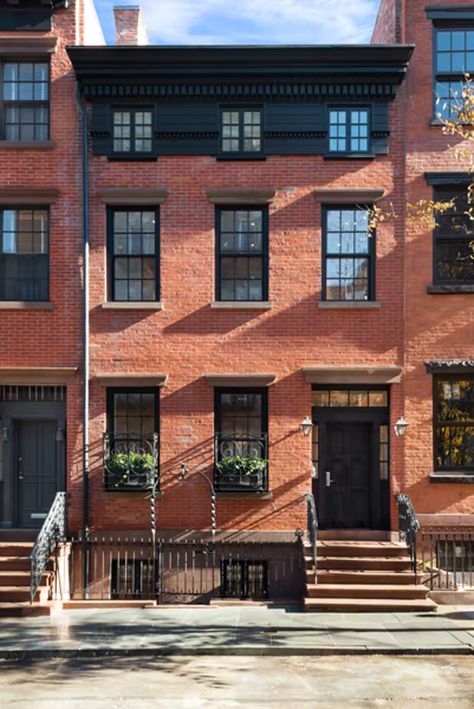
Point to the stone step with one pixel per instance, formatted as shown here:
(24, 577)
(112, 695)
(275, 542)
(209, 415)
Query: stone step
(14, 563)
(362, 549)
(356, 591)
(19, 610)
(15, 548)
(18, 535)
(362, 577)
(14, 594)
(367, 605)
(363, 563)
(14, 578)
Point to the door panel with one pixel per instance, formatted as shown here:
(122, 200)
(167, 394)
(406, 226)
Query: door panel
(37, 471)
(346, 501)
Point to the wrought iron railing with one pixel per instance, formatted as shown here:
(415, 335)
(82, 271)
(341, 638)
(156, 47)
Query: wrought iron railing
(447, 558)
(130, 462)
(51, 534)
(408, 526)
(312, 531)
(241, 462)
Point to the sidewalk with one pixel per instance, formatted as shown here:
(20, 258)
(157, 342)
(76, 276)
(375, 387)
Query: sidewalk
(236, 631)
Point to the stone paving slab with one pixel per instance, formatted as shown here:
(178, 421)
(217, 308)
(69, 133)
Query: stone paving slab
(235, 630)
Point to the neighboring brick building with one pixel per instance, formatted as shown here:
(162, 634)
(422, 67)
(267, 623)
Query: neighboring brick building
(237, 301)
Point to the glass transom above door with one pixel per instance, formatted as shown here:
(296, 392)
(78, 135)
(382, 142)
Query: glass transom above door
(349, 398)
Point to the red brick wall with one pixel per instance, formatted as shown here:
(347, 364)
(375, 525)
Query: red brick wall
(437, 327)
(388, 24)
(52, 338)
(187, 338)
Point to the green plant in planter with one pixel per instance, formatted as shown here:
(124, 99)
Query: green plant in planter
(123, 466)
(242, 466)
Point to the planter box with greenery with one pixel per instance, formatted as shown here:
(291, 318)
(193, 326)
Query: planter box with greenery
(241, 471)
(129, 471)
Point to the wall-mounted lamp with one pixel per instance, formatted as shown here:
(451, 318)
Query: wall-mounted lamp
(5, 434)
(306, 426)
(400, 426)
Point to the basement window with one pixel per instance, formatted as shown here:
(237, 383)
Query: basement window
(244, 579)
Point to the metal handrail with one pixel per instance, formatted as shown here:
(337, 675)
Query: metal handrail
(408, 526)
(52, 532)
(312, 531)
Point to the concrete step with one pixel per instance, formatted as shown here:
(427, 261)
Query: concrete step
(14, 563)
(367, 605)
(362, 549)
(19, 610)
(14, 548)
(364, 563)
(356, 591)
(361, 577)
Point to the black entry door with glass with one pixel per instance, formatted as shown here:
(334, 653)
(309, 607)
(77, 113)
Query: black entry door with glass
(351, 459)
(37, 470)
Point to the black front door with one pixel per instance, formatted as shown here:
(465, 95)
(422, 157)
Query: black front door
(345, 476)
(37, 470)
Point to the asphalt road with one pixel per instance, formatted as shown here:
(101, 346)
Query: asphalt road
(182, 682)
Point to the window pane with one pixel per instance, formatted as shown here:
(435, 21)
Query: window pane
(241, 235)
(24, 263)
(347, 277)
(134, 235)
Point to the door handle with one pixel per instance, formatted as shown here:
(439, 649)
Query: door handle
(328, 478)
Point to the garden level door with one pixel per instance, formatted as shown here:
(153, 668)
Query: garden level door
(37, 471)
(345, 478)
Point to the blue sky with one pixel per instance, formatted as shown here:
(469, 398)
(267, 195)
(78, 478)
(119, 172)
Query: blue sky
(251, 21)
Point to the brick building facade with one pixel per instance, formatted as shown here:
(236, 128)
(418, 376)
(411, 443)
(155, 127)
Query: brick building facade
(236, 298)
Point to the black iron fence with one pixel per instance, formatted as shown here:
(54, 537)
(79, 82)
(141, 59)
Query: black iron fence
(446, 558)
(130, 462)
(133, 568)
(241, 462)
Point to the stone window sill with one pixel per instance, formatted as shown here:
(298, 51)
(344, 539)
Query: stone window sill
(251, 495)
(241, 305)
(126, 305)
(26, 144)
(448, 289)
(452, 477)
(25, 305)
(349, 305)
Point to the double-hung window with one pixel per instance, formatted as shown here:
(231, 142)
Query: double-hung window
(25, 100)
(134, 254)
(241, 446)
(24, 254)
(454, 422)
(453, 58)
(241, 131)
(133, 131)
(131, 441)
(348, 255)
(453, 243)
(349, 130)
(242, 254)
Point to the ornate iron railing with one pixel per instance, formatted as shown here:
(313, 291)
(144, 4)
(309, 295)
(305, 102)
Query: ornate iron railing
(446, 561)
(241, 462)
(408, 526)
(130, 462)
(51, 534)
(312, 531)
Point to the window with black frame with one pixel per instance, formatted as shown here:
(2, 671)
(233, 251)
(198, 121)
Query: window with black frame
(244, 579)
(454, 423)
(241, 131)
(453, 59)
(348, 255)
(242, 254)
(24, 254)
(25, 100)
(132, 130)
(453, 245)
(241, 446)
(134, 254)
(349, 130)
(131, 441)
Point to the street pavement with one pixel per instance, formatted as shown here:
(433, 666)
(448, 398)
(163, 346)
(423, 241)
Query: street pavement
(183, 682)
(235, 630)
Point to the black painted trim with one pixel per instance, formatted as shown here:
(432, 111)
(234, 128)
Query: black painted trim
(448, 179)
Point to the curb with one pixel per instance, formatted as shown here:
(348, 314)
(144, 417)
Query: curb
(173, 650)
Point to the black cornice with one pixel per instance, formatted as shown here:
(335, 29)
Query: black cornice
(219, 71)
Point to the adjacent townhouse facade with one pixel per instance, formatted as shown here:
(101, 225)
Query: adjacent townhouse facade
(222, 342)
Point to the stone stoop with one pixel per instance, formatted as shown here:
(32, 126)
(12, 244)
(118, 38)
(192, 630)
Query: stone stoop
(15, 549)
(363, 576)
